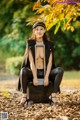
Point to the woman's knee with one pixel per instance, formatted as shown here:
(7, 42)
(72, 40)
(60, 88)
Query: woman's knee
(24, 71)
(60, 70)
(57, 70)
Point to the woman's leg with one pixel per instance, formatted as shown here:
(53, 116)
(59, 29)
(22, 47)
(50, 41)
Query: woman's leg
(56, 77)
(25, 75)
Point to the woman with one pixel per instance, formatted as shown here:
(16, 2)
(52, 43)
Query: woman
(33, 63)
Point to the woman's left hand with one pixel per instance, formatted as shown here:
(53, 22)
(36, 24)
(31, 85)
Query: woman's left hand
(46, 81)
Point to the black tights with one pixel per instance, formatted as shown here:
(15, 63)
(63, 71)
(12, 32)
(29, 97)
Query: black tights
(55, 76)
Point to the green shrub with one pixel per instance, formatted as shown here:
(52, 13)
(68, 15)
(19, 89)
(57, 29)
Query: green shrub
(13, 64)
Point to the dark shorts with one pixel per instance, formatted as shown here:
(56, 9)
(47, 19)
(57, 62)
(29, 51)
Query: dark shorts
(40, 73)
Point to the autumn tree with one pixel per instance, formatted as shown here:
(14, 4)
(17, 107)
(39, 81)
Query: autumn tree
(62, 17)
(55, 13)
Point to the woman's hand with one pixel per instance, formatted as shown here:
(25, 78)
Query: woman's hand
(46, 81)
(35, 82)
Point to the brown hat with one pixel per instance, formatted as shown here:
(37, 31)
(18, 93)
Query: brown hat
(39, 24)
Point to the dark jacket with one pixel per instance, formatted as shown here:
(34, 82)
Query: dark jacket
(48, 49)
(31, 45)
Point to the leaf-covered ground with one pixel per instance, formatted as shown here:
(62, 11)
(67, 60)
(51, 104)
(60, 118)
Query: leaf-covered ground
(68, 107)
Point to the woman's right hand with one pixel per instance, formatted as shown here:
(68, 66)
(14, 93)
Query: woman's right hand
(35, 81)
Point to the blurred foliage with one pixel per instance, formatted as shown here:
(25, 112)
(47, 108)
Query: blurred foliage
(67, 48)
(14, 10)
(55, 13)
(15, 41)
(13, 64)
(16, 17)
(13, 26)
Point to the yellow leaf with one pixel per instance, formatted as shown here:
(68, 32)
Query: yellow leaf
(68, 22)
(40, 10)
(52, 2)
(68, 27)
(6, 94)
(61, 15)
(72, 28)
(36, 5)
(49, 26)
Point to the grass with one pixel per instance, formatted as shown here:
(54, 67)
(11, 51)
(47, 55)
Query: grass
(71, 79)
(71, 75)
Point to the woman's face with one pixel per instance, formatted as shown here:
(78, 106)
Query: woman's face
(39, 32)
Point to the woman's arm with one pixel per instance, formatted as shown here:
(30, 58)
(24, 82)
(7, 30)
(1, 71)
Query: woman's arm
(49, 65)
(46, 79)
(33, 68)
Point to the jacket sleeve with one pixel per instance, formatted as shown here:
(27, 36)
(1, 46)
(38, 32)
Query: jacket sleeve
(25, 57)
(53, 61)
(29, 45)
